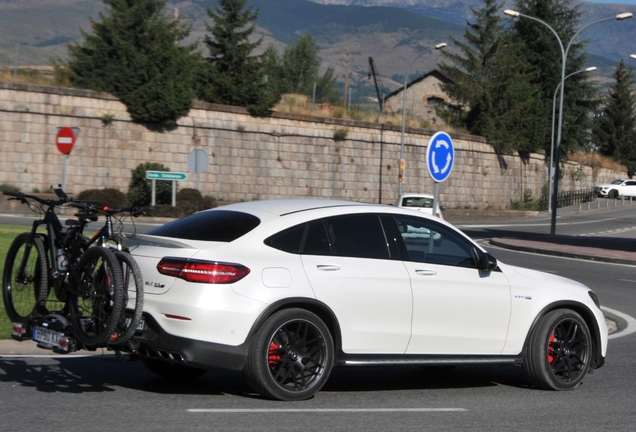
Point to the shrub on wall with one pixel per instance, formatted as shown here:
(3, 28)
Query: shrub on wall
(140, 188)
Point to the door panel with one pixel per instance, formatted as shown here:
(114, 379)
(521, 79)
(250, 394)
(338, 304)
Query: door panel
(371, 298)
(457, 309)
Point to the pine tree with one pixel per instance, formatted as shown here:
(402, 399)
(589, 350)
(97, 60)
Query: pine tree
(134, 54)
(233, 75)
(614, 131)
(544, 52)
(297, 71)
(491, 93)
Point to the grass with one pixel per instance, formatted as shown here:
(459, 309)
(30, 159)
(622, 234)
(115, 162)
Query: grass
(7, 234)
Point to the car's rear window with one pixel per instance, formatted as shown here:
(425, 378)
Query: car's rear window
(417, 202)
(217, 225)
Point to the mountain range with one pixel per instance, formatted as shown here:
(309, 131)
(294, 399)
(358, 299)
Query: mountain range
(348, 32)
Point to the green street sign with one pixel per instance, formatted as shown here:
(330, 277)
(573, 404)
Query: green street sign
(166, 175)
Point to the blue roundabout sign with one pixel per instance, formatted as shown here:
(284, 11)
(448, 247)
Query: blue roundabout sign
(440, 156)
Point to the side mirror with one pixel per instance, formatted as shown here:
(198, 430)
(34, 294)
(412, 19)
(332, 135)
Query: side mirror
(487, 261)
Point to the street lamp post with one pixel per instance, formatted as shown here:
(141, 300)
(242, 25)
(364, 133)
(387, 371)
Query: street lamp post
(406, 80)
(589, 69)
(564, 55)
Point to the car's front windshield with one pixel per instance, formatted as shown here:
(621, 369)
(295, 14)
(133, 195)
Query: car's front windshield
(617, 181)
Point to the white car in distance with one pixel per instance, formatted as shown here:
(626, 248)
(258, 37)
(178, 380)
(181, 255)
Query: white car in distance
(616, 189)
(421, 202)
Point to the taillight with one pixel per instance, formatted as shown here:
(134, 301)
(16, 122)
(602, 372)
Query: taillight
(202, 271)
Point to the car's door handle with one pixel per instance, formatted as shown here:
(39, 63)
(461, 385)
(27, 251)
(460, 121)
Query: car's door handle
(426, 272)
(327, 267)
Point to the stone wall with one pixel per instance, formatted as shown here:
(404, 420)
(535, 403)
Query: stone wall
(251, 158)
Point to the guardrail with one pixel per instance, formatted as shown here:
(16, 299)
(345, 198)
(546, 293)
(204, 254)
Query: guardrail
(569, 198)
(585, 198)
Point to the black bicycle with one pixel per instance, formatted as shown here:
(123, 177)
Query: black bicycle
(110, 236)
(88, 281)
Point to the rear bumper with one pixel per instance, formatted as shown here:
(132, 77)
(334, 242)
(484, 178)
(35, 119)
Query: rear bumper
(154, 342)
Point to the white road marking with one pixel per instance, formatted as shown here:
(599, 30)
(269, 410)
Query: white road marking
(320, 410)
(631, 323)
(531, 225)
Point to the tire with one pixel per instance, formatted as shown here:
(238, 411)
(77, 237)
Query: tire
(559, 352)
(171, 371)
(290, 357)
(613, 194)
(133, 284)
(98, 301)
(22, 293)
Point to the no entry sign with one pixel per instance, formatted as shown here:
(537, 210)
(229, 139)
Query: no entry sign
(65, 139)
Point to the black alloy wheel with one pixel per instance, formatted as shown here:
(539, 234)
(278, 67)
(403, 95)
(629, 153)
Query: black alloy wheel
(291, 356)
(560, 350)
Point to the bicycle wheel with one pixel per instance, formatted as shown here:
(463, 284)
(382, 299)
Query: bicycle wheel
(23, 289)
(133, 299)
(97, 297)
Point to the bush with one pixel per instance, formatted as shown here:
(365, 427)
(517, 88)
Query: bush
(140, 188)
(107, 197)
(188, 201)
(167, 211)
(8, 188)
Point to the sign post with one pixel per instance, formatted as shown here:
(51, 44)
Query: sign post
(166, 176)
(65, 140)
(198, 162)
(440, 158)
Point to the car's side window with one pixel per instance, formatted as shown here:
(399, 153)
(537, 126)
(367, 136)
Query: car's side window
(289, 240)
(429, 242)
(316, 240)
(358, 235)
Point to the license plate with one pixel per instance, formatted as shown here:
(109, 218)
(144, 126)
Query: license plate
(140, 326)
(46, 336)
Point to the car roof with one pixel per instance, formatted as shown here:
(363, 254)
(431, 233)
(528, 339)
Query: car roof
(414, 195)
(281, 207)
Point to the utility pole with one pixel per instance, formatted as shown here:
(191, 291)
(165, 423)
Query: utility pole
(178, 18)
(346, 59)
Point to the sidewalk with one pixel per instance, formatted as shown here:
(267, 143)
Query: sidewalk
(617, 251)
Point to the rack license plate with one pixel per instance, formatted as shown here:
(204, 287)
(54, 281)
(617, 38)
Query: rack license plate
(46, 336)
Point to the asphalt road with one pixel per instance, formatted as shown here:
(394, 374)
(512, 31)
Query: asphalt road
(105, 393)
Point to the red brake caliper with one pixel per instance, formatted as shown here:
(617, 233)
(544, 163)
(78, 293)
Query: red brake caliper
(551, 349)
(273, 356)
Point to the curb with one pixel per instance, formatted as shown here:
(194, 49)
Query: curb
(553, 249)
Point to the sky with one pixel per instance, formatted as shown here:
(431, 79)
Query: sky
(629, 2)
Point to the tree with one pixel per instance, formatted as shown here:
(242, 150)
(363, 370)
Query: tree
(614, 131)
(491, 93)
(134, 54)
(233, 75)
(543, 51)
(297, 71)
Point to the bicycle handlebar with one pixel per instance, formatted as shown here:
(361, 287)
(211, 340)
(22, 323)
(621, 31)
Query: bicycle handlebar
(49, 202)
(90, 207)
